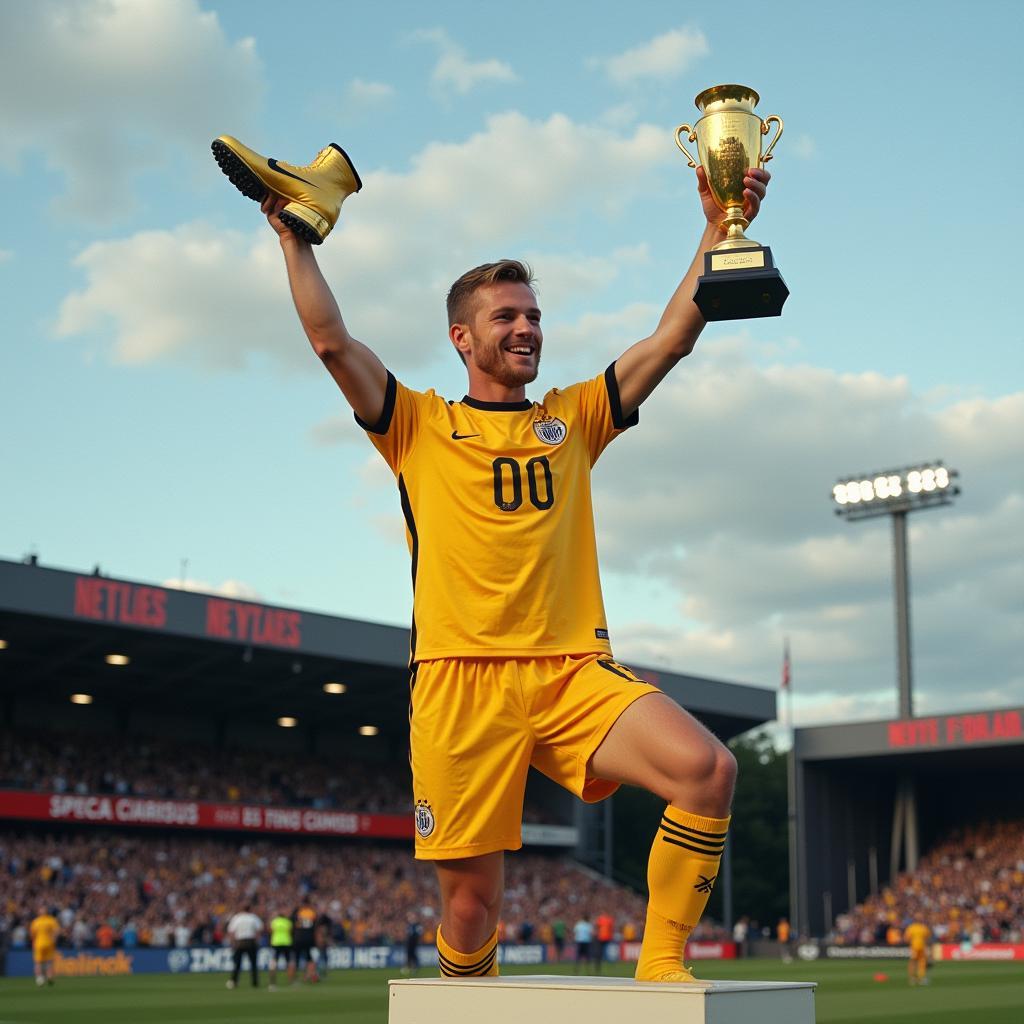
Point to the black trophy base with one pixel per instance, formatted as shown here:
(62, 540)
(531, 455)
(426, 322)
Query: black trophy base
(738, 284)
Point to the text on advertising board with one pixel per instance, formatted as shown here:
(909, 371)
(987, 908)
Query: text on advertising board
(252, 623)
(956, 729)
(132, 604)
(110, 601)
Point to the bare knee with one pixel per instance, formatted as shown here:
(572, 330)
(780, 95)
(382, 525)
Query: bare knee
(470, 910)
(703, 781)
(471, 895)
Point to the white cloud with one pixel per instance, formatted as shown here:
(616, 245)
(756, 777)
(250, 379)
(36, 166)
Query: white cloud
(107, 87)
(722, 495)
(662, 58)
(362, 94)
(229, 588)
(454, 71)
(399, 245)
(196, 294)
(805, 147)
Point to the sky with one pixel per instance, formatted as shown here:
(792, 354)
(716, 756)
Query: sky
(162, 415)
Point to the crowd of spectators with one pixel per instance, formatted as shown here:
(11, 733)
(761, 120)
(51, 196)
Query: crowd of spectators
(83, 764)
(969, 888)
(172, 770)
(126, 889)
(113, 888)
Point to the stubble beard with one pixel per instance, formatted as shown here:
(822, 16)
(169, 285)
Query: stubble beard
(492, 361)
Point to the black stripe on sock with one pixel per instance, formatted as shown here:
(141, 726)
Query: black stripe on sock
(480, 967)
(694, 849)
(712, 847)
(693, 831)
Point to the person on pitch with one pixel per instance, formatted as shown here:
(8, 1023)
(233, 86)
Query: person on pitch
(511, 660)
(917, 936)
(44, 931)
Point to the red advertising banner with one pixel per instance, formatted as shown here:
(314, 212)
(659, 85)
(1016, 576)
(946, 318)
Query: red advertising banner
(134, 810)
(133, 604)
(980, 951)
(956, 730)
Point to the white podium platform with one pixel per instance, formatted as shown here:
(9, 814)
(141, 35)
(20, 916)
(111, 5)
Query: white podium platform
(540, 999)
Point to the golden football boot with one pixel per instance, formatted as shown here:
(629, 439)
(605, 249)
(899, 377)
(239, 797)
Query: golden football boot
(682, 975)
(314, 192)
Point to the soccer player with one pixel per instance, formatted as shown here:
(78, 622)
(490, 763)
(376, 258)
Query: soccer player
(304, 920)
(244, 929)
(44, 930)
(281, 952)
(511, 659)
(917, 936)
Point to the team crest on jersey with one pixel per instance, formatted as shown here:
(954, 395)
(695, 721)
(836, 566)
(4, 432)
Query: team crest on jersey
(549, 429)
(424, 818)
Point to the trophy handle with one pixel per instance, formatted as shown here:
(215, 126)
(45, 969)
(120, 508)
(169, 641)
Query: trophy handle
(778, 135)
(692, 137)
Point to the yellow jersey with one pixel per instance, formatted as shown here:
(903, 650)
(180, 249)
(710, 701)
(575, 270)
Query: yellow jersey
(917, 935)
(499, 519)
(44, 930)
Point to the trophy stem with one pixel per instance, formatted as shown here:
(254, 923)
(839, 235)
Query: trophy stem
(734, 223)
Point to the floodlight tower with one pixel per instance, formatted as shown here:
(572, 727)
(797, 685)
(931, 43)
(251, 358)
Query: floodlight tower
(897, 492)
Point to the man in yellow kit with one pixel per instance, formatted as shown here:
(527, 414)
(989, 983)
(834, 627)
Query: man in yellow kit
(43, 931)
(917, 936)
(511, 662)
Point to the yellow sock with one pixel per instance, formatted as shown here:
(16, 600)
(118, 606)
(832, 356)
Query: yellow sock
(478, 964)
(681, 873)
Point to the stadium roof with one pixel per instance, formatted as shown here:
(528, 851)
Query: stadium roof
(216, 657)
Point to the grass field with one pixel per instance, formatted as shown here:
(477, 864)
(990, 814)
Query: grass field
(847, 993)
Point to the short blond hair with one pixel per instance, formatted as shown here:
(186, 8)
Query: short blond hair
(460, 295)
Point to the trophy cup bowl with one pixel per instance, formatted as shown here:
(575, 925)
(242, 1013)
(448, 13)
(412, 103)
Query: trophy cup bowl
(728, 136)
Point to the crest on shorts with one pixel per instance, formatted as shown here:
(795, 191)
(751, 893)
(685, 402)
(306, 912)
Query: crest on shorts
(549, 429)
(424, 818)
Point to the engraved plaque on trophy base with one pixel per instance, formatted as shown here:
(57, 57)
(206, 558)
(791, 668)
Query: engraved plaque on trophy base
(739, 284)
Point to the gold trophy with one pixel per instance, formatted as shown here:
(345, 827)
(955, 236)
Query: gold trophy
(740, 279)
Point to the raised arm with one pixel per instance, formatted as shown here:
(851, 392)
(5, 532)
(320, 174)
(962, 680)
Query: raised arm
(643, 366)
(354, 367)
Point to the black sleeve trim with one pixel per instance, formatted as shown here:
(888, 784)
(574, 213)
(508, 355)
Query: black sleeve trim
(382, 424)
(618, 420)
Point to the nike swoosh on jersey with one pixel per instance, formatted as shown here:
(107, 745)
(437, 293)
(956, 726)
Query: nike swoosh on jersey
(273, 165)
(456, 436)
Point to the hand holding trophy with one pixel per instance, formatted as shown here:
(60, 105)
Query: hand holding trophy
(740, 279)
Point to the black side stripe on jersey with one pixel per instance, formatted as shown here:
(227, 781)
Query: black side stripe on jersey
(410, 523)
(413, 669)
(382, 424)
(619, 421)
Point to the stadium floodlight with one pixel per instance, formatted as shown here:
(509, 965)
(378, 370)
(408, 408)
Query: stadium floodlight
(335, 687)
(3, 645)
(81, 698)
(287, 722)
(368, 730)
(117, 659)
(895, 492)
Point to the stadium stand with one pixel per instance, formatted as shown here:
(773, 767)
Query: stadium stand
(128, 887)
(969, 888)
(81, 763)
(158, 890)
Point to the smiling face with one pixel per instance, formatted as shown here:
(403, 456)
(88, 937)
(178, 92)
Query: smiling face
(504, 339)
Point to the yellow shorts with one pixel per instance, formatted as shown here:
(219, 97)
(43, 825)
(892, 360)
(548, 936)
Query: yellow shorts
(43, 954)
(476, 726)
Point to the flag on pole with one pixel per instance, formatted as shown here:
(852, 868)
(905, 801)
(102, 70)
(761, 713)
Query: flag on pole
(785, 666)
